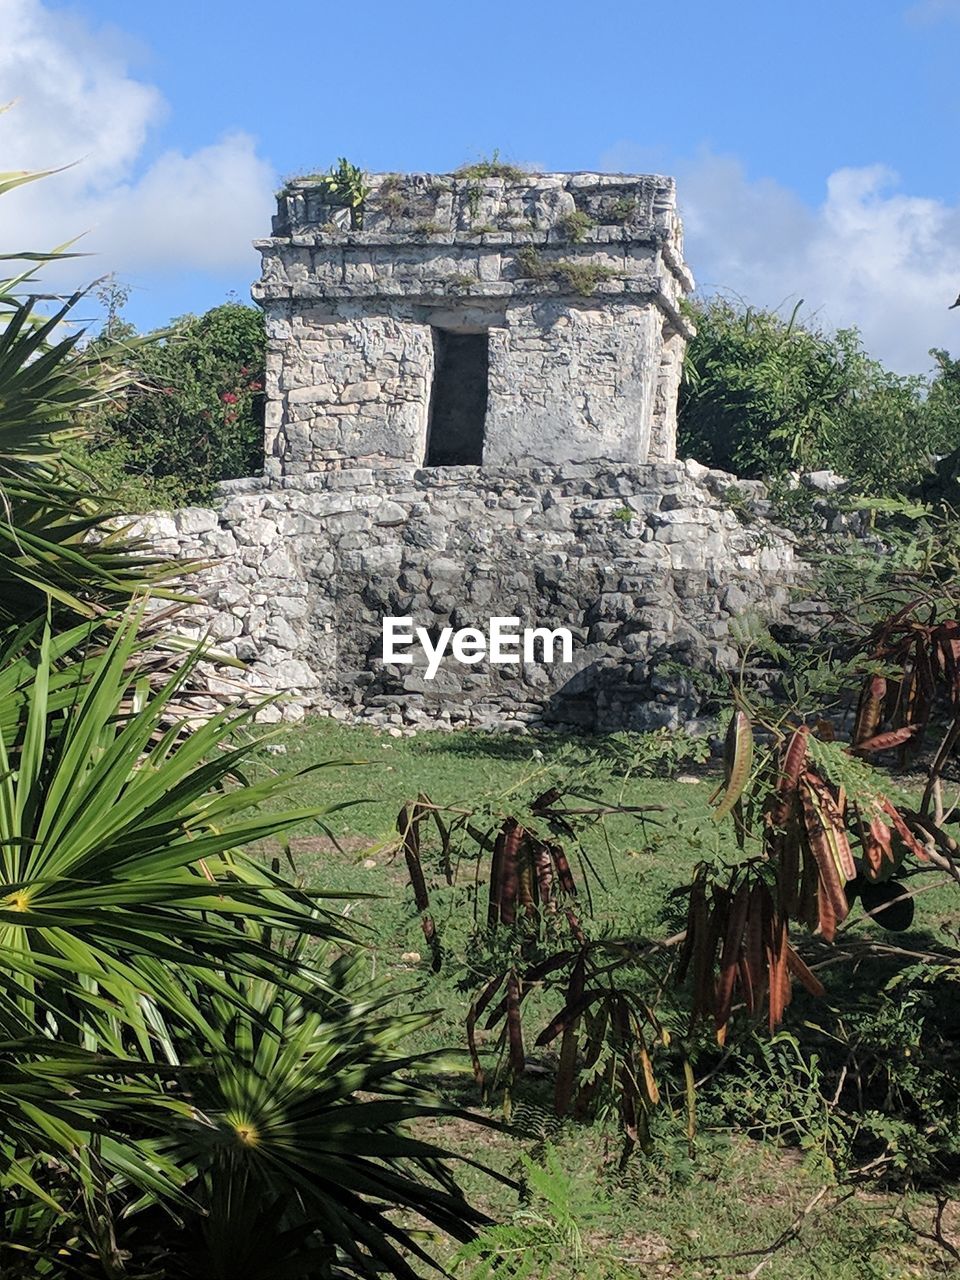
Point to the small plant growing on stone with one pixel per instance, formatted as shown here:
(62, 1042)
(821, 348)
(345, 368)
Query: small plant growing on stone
(624, 514)
(575, 225)
(623, 208)
(580, 277)
(392, 202)
(735, 500)
(459, 282)
(345, 186)
(474, 196)
(391, 197)
(429, 229)
(532, 264)
(484, 229)
(492, 167)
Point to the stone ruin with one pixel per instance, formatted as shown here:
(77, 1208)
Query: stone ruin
(471, 412)
(474, 323)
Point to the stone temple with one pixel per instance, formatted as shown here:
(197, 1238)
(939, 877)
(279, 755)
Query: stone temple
(475, 322)
(471, 413)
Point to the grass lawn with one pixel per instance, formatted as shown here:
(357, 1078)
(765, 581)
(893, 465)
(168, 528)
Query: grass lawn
(666, 1214)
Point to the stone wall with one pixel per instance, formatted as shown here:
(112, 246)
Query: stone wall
(586, 336)
(646, 565)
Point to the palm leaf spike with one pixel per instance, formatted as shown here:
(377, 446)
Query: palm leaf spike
(737, 761)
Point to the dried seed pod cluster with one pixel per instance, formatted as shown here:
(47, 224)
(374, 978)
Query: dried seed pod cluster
(922, 660)
(737, 938)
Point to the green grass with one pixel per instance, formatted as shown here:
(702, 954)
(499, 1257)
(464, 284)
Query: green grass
(667, 1214)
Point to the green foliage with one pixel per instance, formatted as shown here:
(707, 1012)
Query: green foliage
(575, 225)
(762, 395)
(579, 277)
(776, 1089)
(181, 1042)
(429, 229)
(193, 417)
(59, 547)
(344, 185)
(623, 208)
(543, 1235)
(491, 167)
(661, 753)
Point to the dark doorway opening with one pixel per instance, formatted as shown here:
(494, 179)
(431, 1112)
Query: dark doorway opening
(458, 403)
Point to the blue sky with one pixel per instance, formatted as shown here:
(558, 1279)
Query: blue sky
(815, 145)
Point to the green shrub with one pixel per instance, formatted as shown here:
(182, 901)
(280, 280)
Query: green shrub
(762, 395)
(194, 416)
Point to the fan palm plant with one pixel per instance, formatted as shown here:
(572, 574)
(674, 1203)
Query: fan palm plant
(302, 1166)
(176, 1044)
(60, 540)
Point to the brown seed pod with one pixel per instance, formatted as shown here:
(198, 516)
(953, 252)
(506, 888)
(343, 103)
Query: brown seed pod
(518, 1058)
(870, 709)
(793, 761)
(730, 955)
(513, 835)
(804, 974)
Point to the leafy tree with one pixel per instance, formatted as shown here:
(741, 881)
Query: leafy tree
(763, 395)
(194, 415)
(759, 393)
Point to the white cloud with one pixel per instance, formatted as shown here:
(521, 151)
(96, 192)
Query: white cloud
(867, 256)
(925, 12)
(77, 104)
